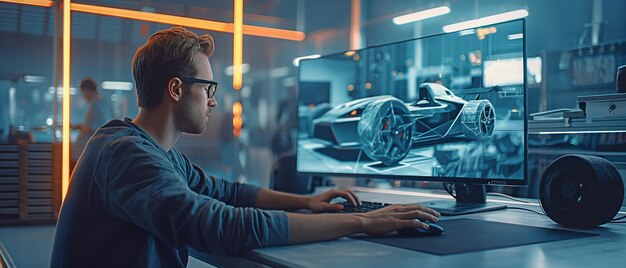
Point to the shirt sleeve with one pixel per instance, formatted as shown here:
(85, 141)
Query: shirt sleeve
(144, 189)
(231, 193)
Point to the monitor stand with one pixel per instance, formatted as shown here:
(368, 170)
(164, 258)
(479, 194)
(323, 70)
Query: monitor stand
(470, 198)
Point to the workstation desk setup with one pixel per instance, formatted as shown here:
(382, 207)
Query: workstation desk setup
(505, 118)
(476, 245)
(467, 137)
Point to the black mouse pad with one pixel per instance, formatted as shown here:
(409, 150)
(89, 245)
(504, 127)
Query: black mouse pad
(467, 235)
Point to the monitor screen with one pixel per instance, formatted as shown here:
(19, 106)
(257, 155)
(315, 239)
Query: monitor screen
(421, 109)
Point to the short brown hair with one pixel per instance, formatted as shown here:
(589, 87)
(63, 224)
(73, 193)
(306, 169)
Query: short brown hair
(166, 54)
(89, 84)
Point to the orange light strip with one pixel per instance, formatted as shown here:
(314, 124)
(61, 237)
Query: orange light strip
(40, 3)
(273, 33)
(188, 22)
(151, 17)
(65, 169)
(238, 45)
(355, 25)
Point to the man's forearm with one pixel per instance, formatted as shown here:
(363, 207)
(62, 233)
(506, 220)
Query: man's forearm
(319, 227)
(270, 199)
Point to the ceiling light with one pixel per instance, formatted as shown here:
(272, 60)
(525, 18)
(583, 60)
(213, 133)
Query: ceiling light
(60, 90)
(421, 15)
(230, 69)
(467, 32)
(516, 36)
(502, 17)
(118, 85)
(34, 79)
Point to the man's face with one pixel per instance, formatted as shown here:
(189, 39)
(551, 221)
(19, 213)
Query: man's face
(192, 112)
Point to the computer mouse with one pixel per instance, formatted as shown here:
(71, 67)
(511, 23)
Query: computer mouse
(433, 229)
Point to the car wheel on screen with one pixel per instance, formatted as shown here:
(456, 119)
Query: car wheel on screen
(385, 130)
(478, 119)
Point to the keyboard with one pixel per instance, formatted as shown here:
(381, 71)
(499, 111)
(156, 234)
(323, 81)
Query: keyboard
(365, 206)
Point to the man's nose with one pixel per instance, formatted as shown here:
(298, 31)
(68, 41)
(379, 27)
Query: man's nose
(212, 102)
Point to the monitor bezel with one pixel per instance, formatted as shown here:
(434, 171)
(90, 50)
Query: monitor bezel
(489, 181)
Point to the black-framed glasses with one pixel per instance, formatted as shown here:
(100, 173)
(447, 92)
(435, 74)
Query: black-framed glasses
(210, 90)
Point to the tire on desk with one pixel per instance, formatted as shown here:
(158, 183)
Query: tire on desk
(581, 191)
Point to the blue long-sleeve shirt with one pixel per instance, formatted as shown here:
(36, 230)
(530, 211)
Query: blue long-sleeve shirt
(132, 204)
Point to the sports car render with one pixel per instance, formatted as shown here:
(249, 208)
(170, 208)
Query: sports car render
(386, 128)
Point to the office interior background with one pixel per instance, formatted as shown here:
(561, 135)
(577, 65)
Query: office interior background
(253, 125)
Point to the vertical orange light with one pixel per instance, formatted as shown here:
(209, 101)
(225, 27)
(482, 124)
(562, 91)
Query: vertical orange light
(237, 119)
(238, 45)
(355, 25)
(65, 170)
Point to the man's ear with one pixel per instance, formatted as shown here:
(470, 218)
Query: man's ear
(175, 88)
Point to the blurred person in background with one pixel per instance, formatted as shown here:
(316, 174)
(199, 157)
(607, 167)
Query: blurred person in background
(98, 113)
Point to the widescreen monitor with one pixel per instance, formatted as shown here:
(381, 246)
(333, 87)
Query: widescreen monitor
(402, 111)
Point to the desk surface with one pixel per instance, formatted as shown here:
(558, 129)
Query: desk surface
(608, 249)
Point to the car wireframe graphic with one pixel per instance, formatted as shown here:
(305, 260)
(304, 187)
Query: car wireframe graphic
(386, 128)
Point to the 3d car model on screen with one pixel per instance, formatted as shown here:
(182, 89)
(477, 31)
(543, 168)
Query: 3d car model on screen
(386, 128)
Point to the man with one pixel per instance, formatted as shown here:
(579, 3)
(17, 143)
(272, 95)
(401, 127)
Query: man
(134, 200)
(98, 114)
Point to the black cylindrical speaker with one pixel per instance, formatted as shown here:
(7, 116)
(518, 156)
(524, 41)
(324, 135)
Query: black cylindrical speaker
(581, 191)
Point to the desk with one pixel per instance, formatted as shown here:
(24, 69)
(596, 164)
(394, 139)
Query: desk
(608, 249)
